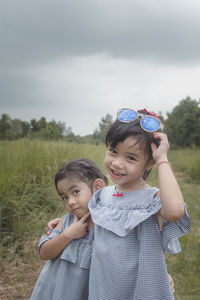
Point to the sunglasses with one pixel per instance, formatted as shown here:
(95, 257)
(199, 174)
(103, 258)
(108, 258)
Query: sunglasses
(147, 122)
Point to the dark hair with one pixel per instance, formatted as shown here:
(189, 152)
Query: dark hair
(82, 169)
(119, 131)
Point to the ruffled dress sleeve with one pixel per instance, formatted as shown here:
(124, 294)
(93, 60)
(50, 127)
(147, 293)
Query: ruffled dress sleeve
(78, 251)
(46, 237)
(172, 231)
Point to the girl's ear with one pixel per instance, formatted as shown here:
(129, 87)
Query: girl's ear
(98, 184)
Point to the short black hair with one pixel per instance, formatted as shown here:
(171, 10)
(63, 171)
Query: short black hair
(82, 169)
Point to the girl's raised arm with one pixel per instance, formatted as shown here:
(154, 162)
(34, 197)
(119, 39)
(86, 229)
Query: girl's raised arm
(170, 193)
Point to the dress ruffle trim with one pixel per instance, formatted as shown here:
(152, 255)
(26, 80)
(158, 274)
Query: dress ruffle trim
(172, 231)
(121, 220)
(78, 252)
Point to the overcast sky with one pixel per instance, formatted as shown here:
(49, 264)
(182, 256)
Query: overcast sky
(77, 60)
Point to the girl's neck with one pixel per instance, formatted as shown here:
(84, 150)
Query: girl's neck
(90, 222)
(143, 185)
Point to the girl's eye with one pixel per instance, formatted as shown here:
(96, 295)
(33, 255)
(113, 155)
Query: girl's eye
(131, 158)
(64, 198)
(112, 151)
(75, 192)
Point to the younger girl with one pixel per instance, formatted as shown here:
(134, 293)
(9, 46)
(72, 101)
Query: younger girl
(134, 222)
(69, 246)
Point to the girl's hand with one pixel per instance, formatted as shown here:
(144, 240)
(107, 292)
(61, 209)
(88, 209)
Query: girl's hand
(78, 229)
(171, 282)
(160, 153)
(52, 224)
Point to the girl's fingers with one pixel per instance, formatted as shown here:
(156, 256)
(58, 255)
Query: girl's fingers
(84, 218)
(153, 147)
(159, 134)
(52, 224)
(75, 218)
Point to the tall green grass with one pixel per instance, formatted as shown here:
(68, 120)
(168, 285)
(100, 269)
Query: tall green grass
(188, 162)
(185, 266)
(27, 193)
(28, 199)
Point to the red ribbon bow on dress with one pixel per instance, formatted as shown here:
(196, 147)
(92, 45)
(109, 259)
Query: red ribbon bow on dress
(118, 194)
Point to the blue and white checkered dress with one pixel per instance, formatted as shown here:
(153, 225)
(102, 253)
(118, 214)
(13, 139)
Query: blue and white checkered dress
(128, 260)
(67, 276)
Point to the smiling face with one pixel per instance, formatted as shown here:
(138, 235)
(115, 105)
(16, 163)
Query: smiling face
(76, 195)
(126, 163)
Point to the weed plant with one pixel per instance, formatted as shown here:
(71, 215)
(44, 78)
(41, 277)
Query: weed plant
(27, 193)
(187, 161)
(28, 200)
(185, 266)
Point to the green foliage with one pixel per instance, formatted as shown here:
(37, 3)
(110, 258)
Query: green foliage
(183, 124)
(4, 126)
(185, 266)
(47, 130)
(187, 161)
(100, 133)
(17, 129)
(28, 200)
(27, 194)
(41, 129)
(24, 186)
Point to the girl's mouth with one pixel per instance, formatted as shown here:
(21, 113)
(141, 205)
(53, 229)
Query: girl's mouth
(75, 209)
(116, 174)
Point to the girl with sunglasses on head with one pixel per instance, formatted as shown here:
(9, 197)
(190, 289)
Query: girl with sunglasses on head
(134, 222)
(68, 248)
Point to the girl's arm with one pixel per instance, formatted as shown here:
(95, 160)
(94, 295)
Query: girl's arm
(170, 193)
(53, 247)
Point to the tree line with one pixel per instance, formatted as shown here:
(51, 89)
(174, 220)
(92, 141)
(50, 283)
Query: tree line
(182, 126)
(12, 129)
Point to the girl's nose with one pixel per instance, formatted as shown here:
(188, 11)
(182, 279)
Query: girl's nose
(117, 163)
(71, 201)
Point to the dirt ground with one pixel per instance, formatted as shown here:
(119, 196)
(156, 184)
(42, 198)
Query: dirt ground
(19, 273)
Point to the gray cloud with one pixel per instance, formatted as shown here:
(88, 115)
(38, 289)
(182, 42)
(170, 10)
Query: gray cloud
(35, 31)
(72, 60)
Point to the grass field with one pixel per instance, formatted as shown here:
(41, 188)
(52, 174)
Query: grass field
(28, 200)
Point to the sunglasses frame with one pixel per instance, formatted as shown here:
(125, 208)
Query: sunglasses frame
(138, 116)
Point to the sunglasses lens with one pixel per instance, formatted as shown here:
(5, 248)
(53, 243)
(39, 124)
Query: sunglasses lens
(127, 115)
(150, 124)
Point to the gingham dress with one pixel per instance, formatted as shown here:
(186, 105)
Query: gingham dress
(128, 252)
(67, 276)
